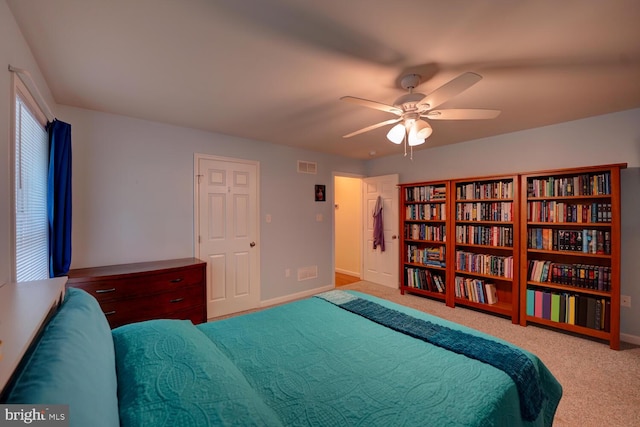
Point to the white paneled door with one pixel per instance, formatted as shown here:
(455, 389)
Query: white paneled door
(381, 266)
(227, 233)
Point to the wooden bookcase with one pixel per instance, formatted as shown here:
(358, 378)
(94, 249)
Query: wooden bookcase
(424, 231)
(570, 251)
(547, 241)
(485, 236)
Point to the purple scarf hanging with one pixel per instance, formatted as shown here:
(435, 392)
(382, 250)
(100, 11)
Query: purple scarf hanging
(378, 227)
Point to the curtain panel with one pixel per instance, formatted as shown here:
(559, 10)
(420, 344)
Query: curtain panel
(59, 198)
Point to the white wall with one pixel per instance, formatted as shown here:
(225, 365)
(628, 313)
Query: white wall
(133, 183)
(13, 51)
(606, 139)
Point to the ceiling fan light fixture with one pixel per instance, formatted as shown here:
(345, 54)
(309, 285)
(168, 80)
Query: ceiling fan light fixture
(414, 138)
(423, 129)
(396, 134)
(413, 141)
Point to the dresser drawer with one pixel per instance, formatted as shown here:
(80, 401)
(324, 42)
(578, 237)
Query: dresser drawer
(112, 289)
(166, 305)
(169, 289)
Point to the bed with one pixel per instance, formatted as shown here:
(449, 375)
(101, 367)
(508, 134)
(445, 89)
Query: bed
(334, 359)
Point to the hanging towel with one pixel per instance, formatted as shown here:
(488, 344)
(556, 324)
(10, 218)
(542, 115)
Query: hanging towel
(378, 227)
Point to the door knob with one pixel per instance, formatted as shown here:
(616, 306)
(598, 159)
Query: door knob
(394, 237)
(252, 244)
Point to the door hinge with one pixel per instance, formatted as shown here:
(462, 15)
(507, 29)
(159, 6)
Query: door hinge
(199, 240)
(199, 177)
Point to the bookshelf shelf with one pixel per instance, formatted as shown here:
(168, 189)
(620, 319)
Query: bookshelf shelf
(488, 247)
(570, 251)
(485, 276)
(500, 308)
(605, 336)
(568, 288)
(432, 267)
(570, 224)
(569, 198)
(434, 295)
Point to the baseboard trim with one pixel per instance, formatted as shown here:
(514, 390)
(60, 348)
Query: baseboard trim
(631, 339)
(292, 297)
(350, 273)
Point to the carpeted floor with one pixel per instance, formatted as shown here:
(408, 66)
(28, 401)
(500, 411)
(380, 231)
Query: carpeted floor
(601, 387)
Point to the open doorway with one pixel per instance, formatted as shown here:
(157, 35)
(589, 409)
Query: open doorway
(347, 229)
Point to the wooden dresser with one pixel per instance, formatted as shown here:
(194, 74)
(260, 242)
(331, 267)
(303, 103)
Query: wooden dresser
(127, 293)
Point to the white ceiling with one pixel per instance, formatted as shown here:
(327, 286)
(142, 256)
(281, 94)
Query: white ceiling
(274, 70)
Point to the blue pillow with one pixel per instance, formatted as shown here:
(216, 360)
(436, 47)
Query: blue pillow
(74, 364)
(171, 374)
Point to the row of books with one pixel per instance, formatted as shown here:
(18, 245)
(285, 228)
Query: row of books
(424, 193)
(475, 290)
(430, 211)
(425, 232)
(421, 278)
(485, 264)
(581, 310)
(587, 241)
(484, 211)
(552, 211)
(434, 256)
(485, 190)
(485, 235)
(597, 277)
(579, 185)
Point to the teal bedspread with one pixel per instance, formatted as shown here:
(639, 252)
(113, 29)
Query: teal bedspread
(311, 363)
(512, 361)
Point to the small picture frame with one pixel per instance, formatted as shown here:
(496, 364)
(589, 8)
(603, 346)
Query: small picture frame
(320, 193)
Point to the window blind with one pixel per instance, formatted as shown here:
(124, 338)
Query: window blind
(31, 223)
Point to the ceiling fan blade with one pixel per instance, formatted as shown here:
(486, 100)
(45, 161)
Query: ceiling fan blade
(461, 114)
(372, 127)
(450, 89)
(372, 104)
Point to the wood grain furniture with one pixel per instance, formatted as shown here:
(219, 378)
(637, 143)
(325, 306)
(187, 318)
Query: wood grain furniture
(486, 244)
(538, 247)
(458, 238)
(127, 293)
(424, 223)
(570, 251)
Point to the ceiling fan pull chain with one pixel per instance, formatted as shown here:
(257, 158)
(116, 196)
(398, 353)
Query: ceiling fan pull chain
(405, 144)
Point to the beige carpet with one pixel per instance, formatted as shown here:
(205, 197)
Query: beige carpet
(601, 387)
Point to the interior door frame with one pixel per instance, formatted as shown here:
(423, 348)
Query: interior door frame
(361, 219)
(196, 211)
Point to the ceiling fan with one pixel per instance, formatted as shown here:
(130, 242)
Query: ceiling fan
(412, 108)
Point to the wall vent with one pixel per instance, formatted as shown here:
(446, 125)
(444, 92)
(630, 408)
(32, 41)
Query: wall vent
(306, 273)
(307, 167)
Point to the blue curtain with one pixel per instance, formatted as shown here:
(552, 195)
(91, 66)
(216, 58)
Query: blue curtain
(59, 198)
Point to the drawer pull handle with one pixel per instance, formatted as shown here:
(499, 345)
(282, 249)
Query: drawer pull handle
(176, 300)
(105, 291)
(178, 280)
(109, 313)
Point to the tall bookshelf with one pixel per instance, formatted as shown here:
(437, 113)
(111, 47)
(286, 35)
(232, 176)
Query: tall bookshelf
(570, 251)
(424, 256)
(485, 219)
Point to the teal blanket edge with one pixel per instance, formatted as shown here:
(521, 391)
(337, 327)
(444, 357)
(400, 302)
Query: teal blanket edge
(515, 363)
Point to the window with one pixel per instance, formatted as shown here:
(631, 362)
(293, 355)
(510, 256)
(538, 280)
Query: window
(31, 170)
